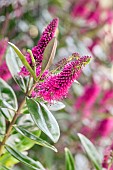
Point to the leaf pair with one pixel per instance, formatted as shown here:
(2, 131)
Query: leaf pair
(46, 122)
(37, 165)
(34, 138)
(20, 143)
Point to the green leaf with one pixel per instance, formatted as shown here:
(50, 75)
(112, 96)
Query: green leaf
(20, 142)
(24, 159)
(14, 64)
(4, 104)
(91, 151)
(49, 54)
(3, 168)
(7, 96)
(56, 106)
(33, 137)
(44, 119)
(23, 59)
(69, 160)
(7, 113)
(2, 127)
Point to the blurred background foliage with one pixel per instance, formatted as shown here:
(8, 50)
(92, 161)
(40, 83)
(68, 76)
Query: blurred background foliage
(85, 27)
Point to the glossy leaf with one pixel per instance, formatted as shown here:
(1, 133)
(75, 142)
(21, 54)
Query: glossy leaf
(49, 54)
(24, 159)
(7, 96)
(91, 151)
(20, 142)
(56, 106)
(23, 59)
(44, 119)
(69, 160)
(2, 126)
(7, 113)
(33, 137)
(4, 104)
(14, 64)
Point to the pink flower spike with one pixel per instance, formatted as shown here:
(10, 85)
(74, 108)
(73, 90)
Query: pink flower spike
(38, 50)
(103, 128)
(86, 101)
(55, 87)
